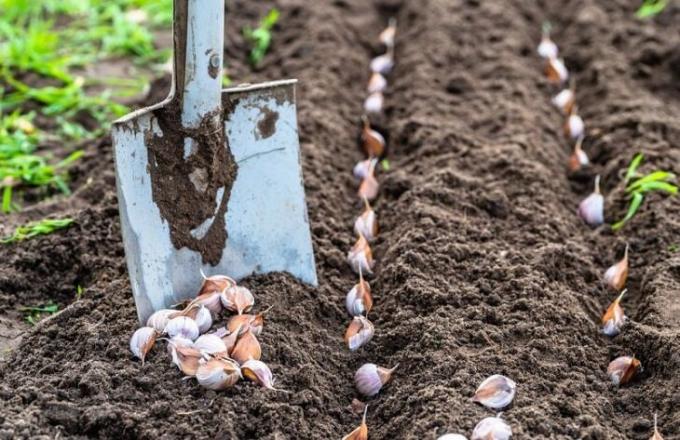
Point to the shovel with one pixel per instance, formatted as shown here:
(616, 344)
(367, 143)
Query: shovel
(209, 181)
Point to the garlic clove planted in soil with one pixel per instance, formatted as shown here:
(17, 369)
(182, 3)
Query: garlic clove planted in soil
(359, 300)
(377, 83)
(361, 432)
(386, 37)
(159, 319)
(358, 333)
(182, 326)
(556, 71)
(368, 189)
(578, 158)
(364, 168)
(142, 341)
(382, 64)
(591, 209)
(614, 318)
(496, 392)
(210, 344)
(547, 47)
(657, 434)
(622, 369)
(247, 347)
(258, 372)
(564, 101)
(492, 428)
(218, 374)
(360, 257)
(452, 437)
(367, 223)
(616, 275)
(373, 142)
(370, 378)
(374, 102)
(574, 127)
(237, 299)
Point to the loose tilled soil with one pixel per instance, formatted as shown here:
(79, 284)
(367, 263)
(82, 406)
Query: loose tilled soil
(483, 265)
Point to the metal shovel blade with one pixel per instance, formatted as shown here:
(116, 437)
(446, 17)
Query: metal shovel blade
(210, 180)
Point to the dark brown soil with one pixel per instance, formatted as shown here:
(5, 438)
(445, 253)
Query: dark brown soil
(483, 265)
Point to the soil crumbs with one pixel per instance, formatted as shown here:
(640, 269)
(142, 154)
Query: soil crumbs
(483, 266)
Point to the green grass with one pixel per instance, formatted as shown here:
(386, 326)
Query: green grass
(44, 47)
(33, 229)
(651, 8)
(34, 314)
(260, 38)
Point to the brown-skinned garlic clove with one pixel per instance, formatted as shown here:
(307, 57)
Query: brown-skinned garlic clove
(578, 158)
(372, 141)
(556, 71)
(358, 333)
(218, 374)
(215, 284)
(387, 35)
(591, 209)
(229, 338)
(360, 257)
(159, 319)
(376, 83)
(359, 300)
(492, 428)
(495, 392)
(185, 358)
(622, 369)
(245, 321)
(614, 318)
(247, 347)
(370, 378)
(237, 299)
(142, 341)
(617, 274)
(182, 326)
(210, 344)
(361, 432)
(258, 372)
(367, 223)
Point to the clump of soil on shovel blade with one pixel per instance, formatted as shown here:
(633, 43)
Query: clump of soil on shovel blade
(483, 265)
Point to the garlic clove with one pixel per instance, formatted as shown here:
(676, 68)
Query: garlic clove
(591, 209)
(564, 101)
(377, 83)
(574, 127)
(373, 141)
(247, 347)
(229, 338)
(258, 372)
(367, 224)
(211, 300)
(556, 71)
(368, 189)
(547, 47)
(496, 392)
(386, 37)
(452, 437)
(210, 344)
(578, 158)
(358, 333)
(215, 283)
(363, 168)
(199, 313)
(360, 257)
(237, 299)
(185, 358)
(245, 321)
(159, 319)
(382, 64)
(492, 428)
(360, 433)
(370, 378)
(359, 300)
(182, 326)
(142, 341)
(616, 275)
(622, 369)
(657, 434)
(218, 374)
(374, 102)
(614, 318)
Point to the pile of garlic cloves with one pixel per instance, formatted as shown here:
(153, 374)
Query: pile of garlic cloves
(217, 359)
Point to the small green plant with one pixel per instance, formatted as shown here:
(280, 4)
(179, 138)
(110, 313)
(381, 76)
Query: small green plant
(638, 186)
(33, 229)
(261, 37)
(35, 314)
(79, 292)
(650, 8)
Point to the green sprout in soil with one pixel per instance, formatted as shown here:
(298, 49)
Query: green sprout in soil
(651, 8)
(261, 38)
(639, 185)
(35, 314)
(33, 229)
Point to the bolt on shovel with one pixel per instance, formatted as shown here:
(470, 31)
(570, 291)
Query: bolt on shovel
(209, 180)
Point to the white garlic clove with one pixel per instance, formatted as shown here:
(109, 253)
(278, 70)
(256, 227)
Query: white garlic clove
(622, 369)
(382, 64)
(360, 257)
(203, 319)
(368, 189)
(211, 300)
(564, 101)
(374, 102)
(556, 71)
(591, 209)
(386, 37)
(616, 275)
(377, 83)
(159, 319)
(142, 341)
(367, 223)
(452, 437)
(237, 299)
(496, 392)
(186, 358)
(210, 344)
(363, 168)
(370, 378)
(358, 333)
(574, 127)
(492, 428)
(218, 374)
(247, 347)
(258, 372)
(179, 341)
(182, 326)
(547, 48)
(359, 300)
(614, 318)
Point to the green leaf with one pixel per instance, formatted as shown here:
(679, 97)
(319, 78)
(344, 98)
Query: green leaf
(650, 8)
(632, 168)
(659, 186)
(656, 176)
(633, 208)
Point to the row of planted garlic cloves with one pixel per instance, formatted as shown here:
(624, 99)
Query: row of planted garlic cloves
(218, 359)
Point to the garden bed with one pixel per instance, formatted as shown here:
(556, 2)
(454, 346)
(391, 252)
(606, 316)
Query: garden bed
(483, 265)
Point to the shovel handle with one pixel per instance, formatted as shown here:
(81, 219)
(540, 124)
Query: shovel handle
(198, 32)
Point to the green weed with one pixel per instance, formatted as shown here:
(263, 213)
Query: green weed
(34, 314)
(261, 37)
(33, 229)
(650, 8)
